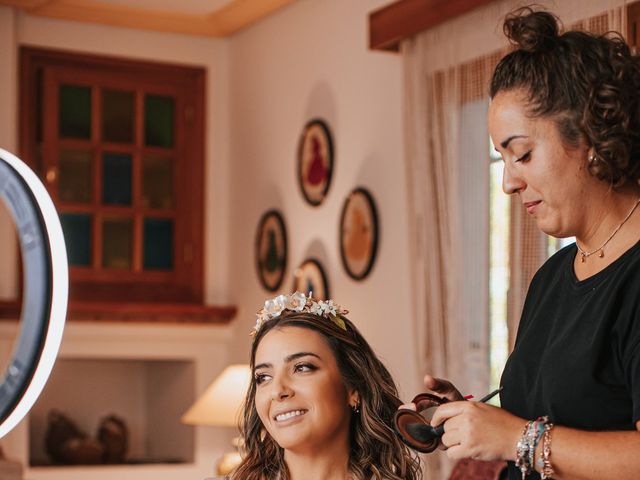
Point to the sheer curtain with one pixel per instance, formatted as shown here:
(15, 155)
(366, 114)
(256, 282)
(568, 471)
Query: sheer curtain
(447, 71)
(447, 171)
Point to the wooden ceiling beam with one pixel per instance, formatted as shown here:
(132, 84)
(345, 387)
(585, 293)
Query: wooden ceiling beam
(25, 4)
(126, 16)
(225, 21)
(402, 19)
(241, 13)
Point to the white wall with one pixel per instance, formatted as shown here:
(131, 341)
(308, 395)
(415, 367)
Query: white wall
(312, 60)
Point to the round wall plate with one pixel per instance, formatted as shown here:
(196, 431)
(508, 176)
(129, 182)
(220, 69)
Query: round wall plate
(271, 250)
(311, 279)
(315, 161)
(359, 232)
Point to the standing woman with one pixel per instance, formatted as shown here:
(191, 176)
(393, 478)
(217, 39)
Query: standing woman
(565, 116)
(321, 404)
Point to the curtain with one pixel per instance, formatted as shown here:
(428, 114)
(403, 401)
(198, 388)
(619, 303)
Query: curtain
(431, 185)
(447, 172)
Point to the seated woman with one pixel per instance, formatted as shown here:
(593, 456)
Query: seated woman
(321, 405)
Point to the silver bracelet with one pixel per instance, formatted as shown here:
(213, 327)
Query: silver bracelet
(522, 452)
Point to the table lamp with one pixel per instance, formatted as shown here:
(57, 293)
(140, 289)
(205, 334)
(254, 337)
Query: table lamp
(219, 406)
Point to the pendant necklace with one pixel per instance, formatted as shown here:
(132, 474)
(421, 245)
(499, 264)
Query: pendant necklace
(584, 254)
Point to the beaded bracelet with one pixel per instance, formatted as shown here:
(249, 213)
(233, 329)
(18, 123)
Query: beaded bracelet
(527, 444)
(534, 435)
(547, 468)
(522, 452)
(525, 448)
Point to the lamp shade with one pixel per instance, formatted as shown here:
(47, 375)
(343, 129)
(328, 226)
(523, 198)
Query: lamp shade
(220, 404)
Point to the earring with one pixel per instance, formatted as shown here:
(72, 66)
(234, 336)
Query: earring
(356, 407)
(592, 157)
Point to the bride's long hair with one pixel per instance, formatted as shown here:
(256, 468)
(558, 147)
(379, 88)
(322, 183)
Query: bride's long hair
(376, 453)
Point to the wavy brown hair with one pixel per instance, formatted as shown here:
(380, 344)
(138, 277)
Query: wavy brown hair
(376, 452)
(589, 84)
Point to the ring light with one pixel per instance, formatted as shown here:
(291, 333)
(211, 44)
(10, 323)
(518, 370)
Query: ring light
(45, 291)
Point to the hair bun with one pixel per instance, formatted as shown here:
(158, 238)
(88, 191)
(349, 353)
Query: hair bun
(531, 31)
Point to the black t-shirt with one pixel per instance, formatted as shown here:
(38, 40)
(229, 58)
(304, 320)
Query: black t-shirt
(577, 351)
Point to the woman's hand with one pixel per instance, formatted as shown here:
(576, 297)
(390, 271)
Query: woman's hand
(439, 387)
(442, 388)
(479, 431)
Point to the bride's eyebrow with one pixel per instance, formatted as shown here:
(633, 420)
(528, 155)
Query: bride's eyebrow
(295, 356)
(288, 359)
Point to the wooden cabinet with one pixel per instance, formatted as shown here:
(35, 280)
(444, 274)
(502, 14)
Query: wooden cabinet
(120, 147)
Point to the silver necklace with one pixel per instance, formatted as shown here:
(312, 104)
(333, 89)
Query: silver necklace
(584, 254)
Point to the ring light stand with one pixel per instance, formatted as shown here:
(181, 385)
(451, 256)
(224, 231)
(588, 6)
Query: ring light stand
(45, 292)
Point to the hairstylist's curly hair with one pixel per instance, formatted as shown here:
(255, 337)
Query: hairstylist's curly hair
(376, 452)
(589, 84)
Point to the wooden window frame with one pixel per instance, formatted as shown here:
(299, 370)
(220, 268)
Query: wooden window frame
(184, 285)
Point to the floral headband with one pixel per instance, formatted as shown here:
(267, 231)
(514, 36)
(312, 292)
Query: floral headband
(299, 302)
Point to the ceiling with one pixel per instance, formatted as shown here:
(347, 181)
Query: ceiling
(210, 18)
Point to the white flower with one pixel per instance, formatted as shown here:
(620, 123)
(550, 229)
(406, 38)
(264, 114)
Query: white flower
(299, 302)
(323, 308)
(274, 307)
(316, 308)
(296, 301)
(329, 308)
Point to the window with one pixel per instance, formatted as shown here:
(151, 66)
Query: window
(508, 231)
(119, 145)
(499, 219)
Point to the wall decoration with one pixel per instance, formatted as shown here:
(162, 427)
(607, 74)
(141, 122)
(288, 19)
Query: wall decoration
(315, 161)
(310, 277)
(358, 233)
(271, 250)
